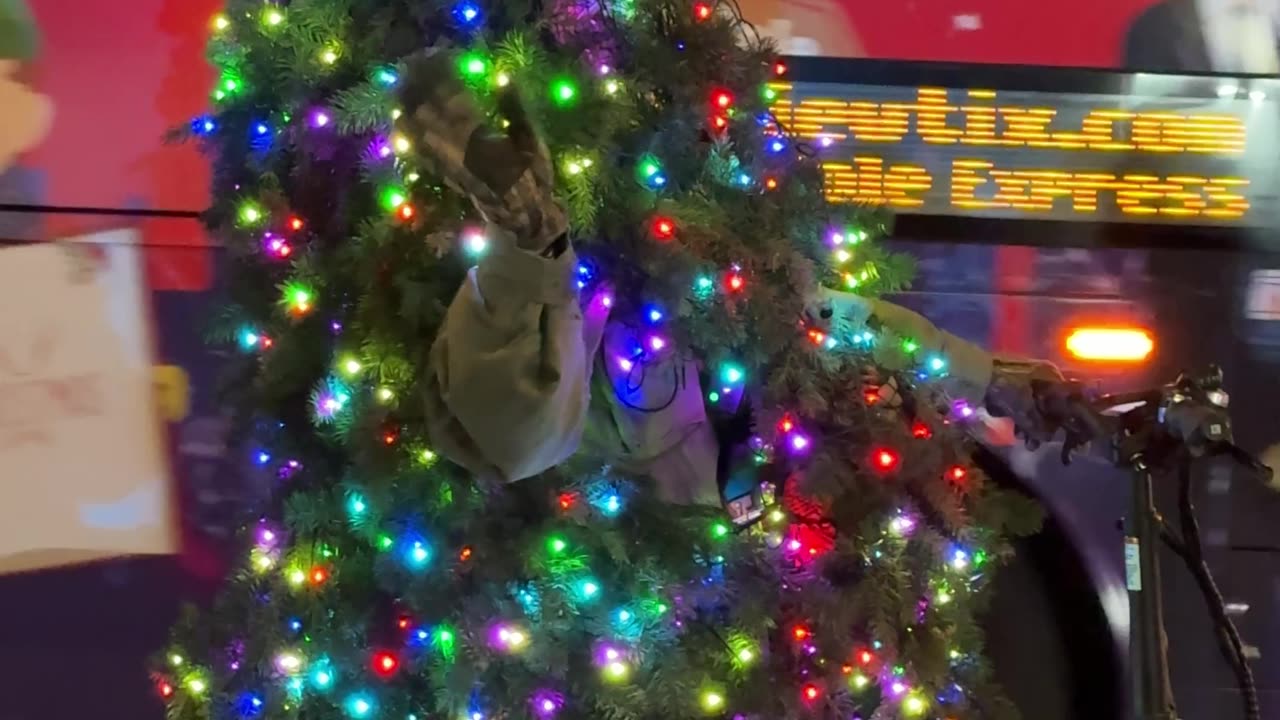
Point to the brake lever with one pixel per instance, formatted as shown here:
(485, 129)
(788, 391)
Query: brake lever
(1245, 460)
(1079, 423)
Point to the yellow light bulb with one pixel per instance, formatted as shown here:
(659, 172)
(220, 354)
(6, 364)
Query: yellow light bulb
(395, 114)
(401, 144)
(329, 56)
(843, 256)
(297, 577)
(616, 670)
(197, 685)
(176, 660)
(503, 79)
(289, 662)
(220, 23)
(611, 87)
(385, 394)
(427, 456)
(273, 17)
(351, 366)
(712, 701)
(573, 167)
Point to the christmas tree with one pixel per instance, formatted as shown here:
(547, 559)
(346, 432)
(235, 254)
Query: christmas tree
(456, 529)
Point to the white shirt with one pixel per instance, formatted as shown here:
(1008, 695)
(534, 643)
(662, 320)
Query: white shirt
(1241, 35)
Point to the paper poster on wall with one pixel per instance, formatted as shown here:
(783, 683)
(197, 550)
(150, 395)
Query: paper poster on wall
(84, 473)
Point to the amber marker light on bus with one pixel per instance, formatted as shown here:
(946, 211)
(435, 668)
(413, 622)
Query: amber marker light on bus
(1110, 344)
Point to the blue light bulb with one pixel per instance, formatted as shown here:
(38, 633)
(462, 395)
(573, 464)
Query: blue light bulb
(467, 12)
(359, 706)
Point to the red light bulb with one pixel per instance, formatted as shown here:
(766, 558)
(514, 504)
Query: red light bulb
(567, 500)
(385, 664)
(920, 431)
(957, 473)
(295, 223)
(722, 99)
(779, 68)
(735, 282)
(817, 336)
(800, 632)
(720, 122)
(811, 692)
(405, 212)
(319, 575)
(165, 690)
(871, 397)
(701, 11)
(865, 657)
(770, 184)
(885, 459)
(465, 555)
(403, 623)
(786, 425)
(664, 228)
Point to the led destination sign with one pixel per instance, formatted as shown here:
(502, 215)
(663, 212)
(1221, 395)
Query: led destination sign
(1194, 161)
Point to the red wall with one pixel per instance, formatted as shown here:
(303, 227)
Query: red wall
(120, 75)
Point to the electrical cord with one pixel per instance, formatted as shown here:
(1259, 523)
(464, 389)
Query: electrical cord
(1228, 635)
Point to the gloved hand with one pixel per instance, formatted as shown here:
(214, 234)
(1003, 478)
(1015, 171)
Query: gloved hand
(508, 175)
(1025, 391)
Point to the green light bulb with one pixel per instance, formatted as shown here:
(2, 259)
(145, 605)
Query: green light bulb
(473, 65)
(250, 214)
(564, 91)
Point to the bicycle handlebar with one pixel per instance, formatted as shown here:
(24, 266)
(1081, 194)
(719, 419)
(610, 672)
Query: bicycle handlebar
(1190, 413)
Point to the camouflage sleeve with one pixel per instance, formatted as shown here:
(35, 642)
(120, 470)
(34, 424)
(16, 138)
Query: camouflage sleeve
(969, 367)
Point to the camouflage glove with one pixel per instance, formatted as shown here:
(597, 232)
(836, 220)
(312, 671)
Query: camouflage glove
(507, 175)
(1021, 390)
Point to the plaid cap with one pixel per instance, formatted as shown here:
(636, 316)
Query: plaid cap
(508, 176)
(19, 36)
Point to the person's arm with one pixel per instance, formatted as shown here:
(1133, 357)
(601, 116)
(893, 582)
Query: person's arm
(507, 377)
(1006, 386)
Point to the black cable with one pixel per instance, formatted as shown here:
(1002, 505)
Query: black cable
(1228, 635)
(115, 212)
